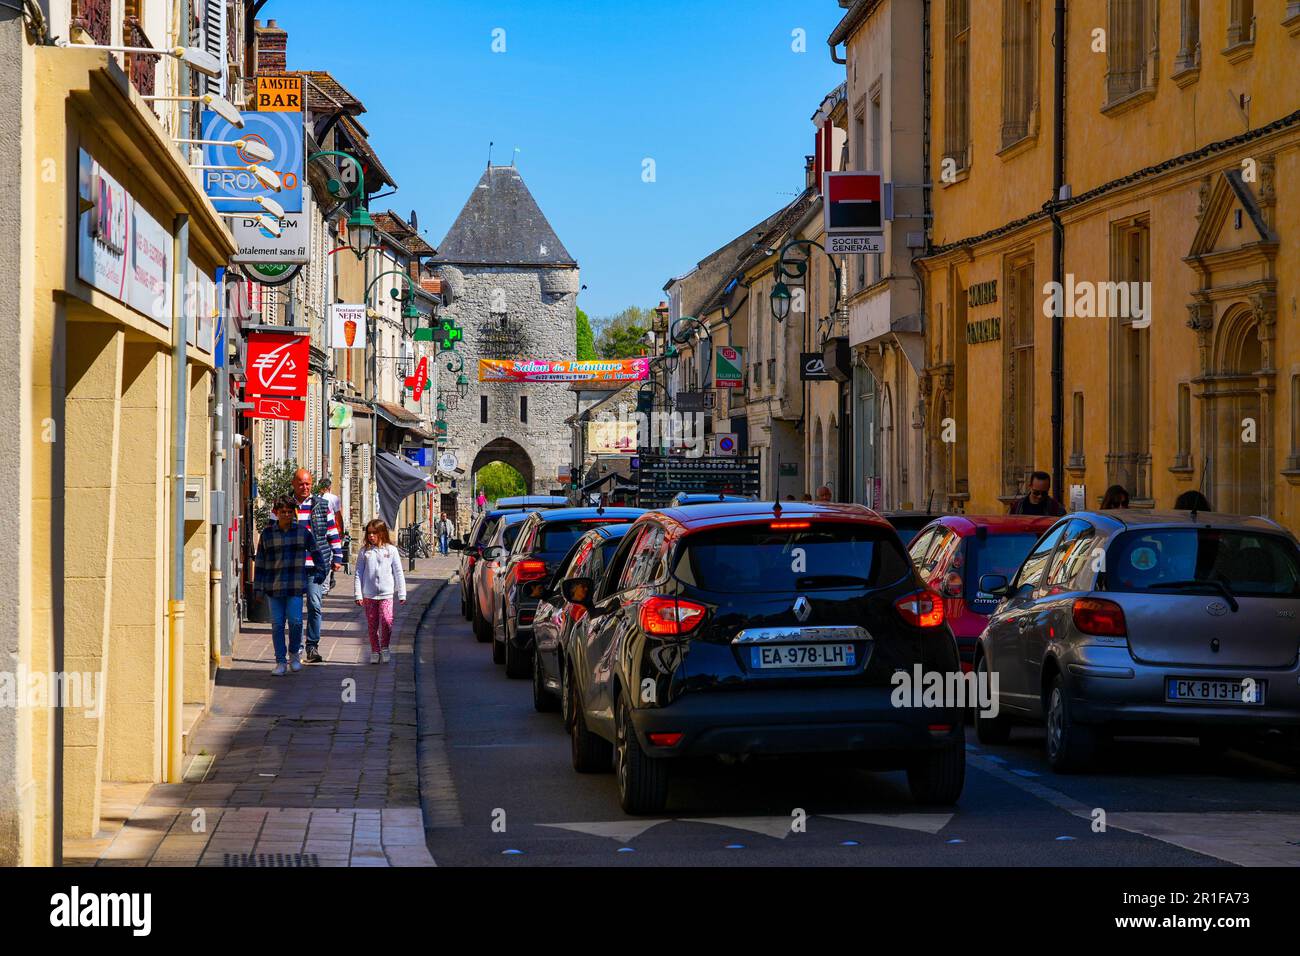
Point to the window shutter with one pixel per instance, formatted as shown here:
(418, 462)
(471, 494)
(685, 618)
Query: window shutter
(212, 38)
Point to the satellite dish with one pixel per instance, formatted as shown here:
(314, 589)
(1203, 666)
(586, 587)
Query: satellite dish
(415, 223)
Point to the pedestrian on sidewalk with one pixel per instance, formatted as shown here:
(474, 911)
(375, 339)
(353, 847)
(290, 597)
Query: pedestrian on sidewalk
(316, 515)
(443, 529)
(281, 574)
(378, 578)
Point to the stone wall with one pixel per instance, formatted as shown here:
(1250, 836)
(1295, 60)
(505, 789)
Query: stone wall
(539, 304)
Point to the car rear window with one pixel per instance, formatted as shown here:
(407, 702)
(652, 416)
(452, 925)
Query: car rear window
(1201, 560)
(562, 535)
(762, 558)
(509, 534)
(994, 554)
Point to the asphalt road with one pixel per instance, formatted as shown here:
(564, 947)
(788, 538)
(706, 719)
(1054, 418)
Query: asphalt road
(520, 803)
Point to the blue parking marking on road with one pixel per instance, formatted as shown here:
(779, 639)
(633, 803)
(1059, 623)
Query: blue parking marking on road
(625, 849)
(734, 846)
(1060, 838)
(849, 843)
(512, 852)
(954, 841)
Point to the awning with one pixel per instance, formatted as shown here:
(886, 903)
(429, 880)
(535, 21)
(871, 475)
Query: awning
(397, 480)
(396, 414)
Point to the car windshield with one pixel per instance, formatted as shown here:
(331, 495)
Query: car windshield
(1204, 560)
(762, 558)
(560, 536)
(995, 554)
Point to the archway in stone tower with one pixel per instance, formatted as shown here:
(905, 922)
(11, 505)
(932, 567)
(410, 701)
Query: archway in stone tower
(511, 453)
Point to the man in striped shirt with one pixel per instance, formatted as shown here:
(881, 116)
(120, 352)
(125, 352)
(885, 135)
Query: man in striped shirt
(315, 513)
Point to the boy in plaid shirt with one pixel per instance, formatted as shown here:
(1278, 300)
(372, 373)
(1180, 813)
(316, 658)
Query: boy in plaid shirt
(282, 576)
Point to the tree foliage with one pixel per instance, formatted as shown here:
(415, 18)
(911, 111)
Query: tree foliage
(497, 480)
(622, 335)
(275, 479)
(586, 350)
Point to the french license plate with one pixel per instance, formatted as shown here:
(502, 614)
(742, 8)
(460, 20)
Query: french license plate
(1214, 691)
(803, 655)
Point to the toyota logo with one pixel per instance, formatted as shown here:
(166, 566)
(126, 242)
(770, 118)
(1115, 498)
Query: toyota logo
(1217, 608)
(802, 608)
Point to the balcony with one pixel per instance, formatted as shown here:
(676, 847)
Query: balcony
(140, 66)
(95, 19)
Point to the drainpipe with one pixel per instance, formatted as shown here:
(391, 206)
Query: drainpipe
(1058, 252)
(176, 606)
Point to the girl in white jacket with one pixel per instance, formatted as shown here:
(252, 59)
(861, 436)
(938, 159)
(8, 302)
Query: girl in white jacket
(378, 579)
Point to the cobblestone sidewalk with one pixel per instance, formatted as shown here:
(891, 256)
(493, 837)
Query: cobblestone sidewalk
(313, 768)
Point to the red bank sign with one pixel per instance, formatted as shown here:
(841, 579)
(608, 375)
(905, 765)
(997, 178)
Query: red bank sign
(277, 365)
(855, 211)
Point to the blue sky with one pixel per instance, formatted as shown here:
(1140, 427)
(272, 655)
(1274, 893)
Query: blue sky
(711, 91)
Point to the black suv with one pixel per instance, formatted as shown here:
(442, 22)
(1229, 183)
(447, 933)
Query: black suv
(541, 543)
(758, 629)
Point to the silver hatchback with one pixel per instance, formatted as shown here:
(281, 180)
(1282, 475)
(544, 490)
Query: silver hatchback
(1146, 623)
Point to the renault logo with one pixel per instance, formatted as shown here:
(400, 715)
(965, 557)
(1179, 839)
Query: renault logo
(802, 608)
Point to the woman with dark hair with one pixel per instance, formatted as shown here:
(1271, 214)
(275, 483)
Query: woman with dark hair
(1115, 497)
(1192, 501)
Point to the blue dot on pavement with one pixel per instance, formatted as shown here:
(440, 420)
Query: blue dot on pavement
(735, 846)
(956, 841)
(626, 849)
(1060, 838)
(849, 843)
(512, 852)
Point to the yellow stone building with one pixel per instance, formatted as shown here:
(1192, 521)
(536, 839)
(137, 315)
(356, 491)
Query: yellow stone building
(1180, 365)
(112, 242)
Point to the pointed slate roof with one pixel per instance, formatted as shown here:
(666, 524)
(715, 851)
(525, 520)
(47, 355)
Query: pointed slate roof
(502, 225)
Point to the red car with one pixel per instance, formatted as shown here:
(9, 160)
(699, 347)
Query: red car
(953, 551)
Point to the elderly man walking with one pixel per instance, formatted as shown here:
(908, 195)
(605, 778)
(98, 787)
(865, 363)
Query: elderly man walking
(316, 514)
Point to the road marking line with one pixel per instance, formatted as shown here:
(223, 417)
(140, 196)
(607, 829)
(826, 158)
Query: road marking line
(621, 830)
(923, 822)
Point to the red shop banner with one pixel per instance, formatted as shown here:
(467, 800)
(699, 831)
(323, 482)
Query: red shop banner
(286, 409)
(277, 365)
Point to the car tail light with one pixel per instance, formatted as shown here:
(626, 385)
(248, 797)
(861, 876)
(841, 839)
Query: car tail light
(526, 617)
(665, 740)
(578, 612)
(789, 525)
(921, 608)
(1095, 616)
(670, 617)
(531, 570)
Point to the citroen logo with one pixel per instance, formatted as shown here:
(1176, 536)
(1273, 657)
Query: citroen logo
(1217, 608)
(802, 608)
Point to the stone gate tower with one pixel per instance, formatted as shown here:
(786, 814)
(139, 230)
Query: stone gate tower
(515, 290)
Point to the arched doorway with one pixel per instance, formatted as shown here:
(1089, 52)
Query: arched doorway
(1236, 415)
(511, 453)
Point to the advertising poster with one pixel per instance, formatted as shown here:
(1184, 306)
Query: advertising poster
(546, 370)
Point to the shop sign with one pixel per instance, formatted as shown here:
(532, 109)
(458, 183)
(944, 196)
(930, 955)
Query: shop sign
(548, 370)
(728, 367)
(121, 250)
(277, 364)
(347, 326)
(985, 330)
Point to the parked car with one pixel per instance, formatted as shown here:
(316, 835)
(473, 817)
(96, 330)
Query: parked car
(480, 530)
(530, 502)
(704, 498)
(543, 539)
(1152, 623)
(553, 620)
(953, 551)
(908, 523)
(492, 558)
(743, 628)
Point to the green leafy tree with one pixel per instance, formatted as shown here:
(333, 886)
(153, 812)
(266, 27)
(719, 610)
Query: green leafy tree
(498, 480)
(275, 479)
(622, 335)
(586, 339)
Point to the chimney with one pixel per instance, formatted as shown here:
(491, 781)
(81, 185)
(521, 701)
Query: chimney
(809, 172)
(271, 43)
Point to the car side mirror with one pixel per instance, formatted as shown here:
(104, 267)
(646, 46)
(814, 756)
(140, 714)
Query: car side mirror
(995, 584)
(578, 591)
(491, 553)
(456, 544)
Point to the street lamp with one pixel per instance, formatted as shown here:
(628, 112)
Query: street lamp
(780, 301)
(218, 104)
(195, 57)
(797, 269)
(266, 177)
(249, 147)
(361, 231)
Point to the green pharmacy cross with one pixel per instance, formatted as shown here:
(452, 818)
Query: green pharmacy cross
(447, 334)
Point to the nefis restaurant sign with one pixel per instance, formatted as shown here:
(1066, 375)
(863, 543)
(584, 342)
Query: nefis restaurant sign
(121, 250)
